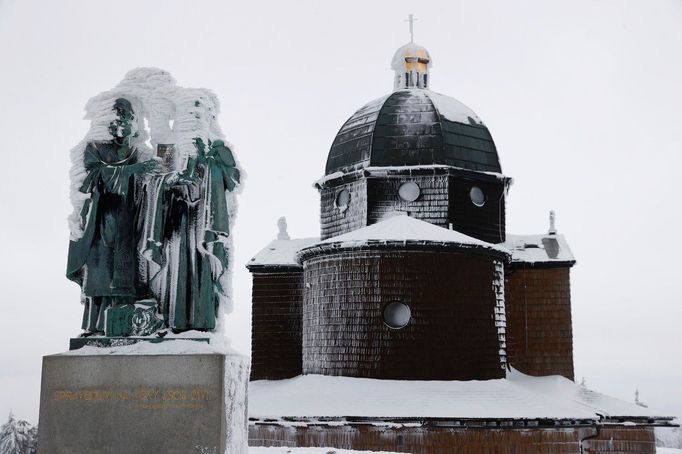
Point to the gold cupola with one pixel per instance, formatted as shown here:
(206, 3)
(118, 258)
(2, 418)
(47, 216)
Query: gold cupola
(411, 64)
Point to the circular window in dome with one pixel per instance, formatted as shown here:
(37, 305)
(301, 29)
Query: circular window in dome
(409, 191)
(397, 315)
(477, 196)
(342, 200)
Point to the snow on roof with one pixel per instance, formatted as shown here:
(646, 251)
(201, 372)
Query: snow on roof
(401, 227)
(451, 109)
(382, 171)
(540, 248)
(332, 176)
(543, 248)
(281, 252)
(386, 170)
(519, 396)
(409, 50)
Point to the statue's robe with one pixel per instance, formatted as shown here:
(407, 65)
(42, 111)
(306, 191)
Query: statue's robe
(104, 260)
(186, 231)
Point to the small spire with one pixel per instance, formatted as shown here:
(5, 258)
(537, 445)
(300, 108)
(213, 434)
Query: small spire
(411, 20)
(282, 226)
(411, 63)
(552, 222)
(582, 382)
(637, 401)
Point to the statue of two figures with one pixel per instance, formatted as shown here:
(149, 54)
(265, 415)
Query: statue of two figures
(153, 247)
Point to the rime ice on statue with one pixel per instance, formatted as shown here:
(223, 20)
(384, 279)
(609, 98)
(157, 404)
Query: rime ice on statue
(415, 323)
(153, 189)
(150, 228)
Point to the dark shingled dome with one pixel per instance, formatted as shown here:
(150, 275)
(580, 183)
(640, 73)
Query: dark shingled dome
(413, 127)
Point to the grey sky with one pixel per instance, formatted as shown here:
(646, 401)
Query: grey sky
(583, 99)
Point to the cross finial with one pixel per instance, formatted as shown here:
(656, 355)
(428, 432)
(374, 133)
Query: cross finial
(411, 20)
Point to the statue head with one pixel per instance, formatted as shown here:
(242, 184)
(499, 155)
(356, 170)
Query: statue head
(122, 127)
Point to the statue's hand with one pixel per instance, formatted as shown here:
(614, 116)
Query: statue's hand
(183, 178)
(187, 176)
(150, 166)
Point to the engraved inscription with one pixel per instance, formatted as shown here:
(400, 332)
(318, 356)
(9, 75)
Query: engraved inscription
(192, 398)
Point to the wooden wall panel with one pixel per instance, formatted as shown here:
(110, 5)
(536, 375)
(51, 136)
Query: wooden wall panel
(431, 206)
(622, 440)
(421, 440)
(441, 440)
(334, 221)
(452, 334)
(539, 325)
(486, 223)
(276, 325)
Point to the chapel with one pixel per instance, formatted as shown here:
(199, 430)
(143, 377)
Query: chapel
(415, 322)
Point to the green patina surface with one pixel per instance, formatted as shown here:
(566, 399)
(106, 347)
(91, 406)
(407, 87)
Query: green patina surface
(153, 249)
(140, 319)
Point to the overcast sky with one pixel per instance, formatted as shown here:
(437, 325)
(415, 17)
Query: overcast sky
(582, 97)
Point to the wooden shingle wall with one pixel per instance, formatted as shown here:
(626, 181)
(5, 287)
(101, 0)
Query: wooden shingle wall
(452, 334)
(622, 440)
(276, 325)
(431, 206)
(539, 326)
(334, 221)
(441, 440)
(487, 222)
(421, 440)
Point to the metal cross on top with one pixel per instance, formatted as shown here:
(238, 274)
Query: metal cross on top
(411, 20)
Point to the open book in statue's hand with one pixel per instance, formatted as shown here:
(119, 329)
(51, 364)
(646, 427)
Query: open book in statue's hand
(184, 178)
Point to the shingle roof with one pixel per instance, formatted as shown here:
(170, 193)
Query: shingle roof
(280, 253)
(539, 249)
(413, 127)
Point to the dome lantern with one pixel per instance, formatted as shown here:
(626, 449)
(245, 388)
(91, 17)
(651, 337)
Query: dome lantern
(411, 64)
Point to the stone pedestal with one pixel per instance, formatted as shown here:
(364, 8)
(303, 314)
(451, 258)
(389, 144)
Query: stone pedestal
(170, 403)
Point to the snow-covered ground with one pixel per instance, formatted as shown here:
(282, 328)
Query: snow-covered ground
(658, 451)
(670, 437)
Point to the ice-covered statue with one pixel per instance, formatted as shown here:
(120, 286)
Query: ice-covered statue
(104, 259)
(153, 192)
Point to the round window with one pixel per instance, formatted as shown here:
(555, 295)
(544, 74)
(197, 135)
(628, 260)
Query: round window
(409, 191)
(477, 196)
(342, 199)
(397, 315)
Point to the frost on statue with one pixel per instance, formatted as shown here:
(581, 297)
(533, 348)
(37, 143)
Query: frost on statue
(153, 193)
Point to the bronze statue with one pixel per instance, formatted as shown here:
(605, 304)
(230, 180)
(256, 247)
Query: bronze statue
(153, 237)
